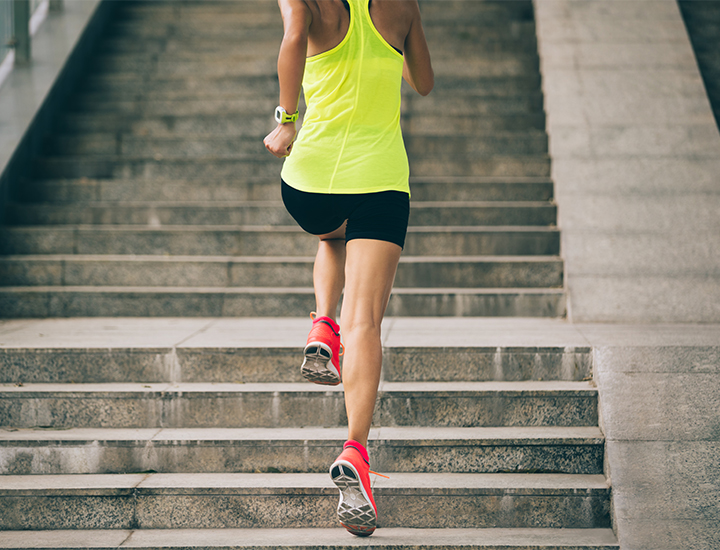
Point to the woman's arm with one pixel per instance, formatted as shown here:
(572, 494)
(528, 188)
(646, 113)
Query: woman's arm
(291, 66)
(417, 70)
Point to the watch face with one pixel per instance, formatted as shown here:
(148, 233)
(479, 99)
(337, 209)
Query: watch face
(279, 113)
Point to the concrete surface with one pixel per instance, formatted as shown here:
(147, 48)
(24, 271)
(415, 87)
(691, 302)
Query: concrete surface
(337, 538)
(657, 384)
(635, 154)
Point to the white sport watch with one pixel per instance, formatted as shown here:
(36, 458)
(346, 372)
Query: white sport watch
(282, 117)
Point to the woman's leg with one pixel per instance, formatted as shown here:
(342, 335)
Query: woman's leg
(329, 272)
(369, 274)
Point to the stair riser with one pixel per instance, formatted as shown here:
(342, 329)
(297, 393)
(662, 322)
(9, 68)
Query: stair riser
(130, 145)
(88, 240)
(257, 127)
(19, 214)
(267, 66)
(251, 190)
(491, 41)
(257, 365)
(459, 126)
(97, 272)
(78, 167)
(171, 126)
(253, 166)
(108, 457)
(252, 85)
(18, 303)
(141, 509)
(295, 409)
(129, 89)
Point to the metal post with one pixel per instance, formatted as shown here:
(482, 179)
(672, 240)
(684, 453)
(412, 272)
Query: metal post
(56, 5)
(21, 31)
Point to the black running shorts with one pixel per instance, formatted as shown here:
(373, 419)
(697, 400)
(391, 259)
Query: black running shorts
(381, 216)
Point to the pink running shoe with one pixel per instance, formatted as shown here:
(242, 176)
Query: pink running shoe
(322, 352)
(350, 472)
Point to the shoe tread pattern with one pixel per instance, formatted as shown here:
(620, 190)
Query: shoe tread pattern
(354, 511)
(314, 367)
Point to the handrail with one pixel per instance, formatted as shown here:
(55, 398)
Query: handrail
(19, 20)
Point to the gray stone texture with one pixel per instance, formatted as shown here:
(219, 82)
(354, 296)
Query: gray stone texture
(658, 410)
(634, 148)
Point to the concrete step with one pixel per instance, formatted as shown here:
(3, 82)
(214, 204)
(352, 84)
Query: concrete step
(266, 240)
(519, 39)
(467, 105)
(280, 539)
(247, 164)
(224, 271)
(131, 83)
(212, 501)
(291, 450)
(102, 361)
(167, 167)
(97, 90)
(258, 126)
(263, 189)
(107, 301)
(119, 143)
(499, 64)
(467, 163)
(227, 405)
(266, 213)
(457, 126)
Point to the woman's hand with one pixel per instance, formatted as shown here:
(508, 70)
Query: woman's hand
(280, 141)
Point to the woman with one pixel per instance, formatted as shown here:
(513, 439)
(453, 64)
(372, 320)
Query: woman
(346, 181)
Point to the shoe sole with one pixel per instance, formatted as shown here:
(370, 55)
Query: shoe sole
(315, 366)
(355, 511)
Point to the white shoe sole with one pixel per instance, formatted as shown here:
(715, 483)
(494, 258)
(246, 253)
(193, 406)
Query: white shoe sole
(355, 511)
(317, 366)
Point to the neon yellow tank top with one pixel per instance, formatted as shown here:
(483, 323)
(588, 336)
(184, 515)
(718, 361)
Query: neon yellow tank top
(351, 141)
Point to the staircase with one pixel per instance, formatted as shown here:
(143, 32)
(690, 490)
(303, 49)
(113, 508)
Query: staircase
(702, 20)
(156, 198)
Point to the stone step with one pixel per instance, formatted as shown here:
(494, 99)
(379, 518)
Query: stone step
(121, 144)
(263, 189)
(290, 450)
(107, 301)
(136, 90)
(473, 67)
(221, 501)
(103, 362)
(266, 213)
(224, 271)
(258, 126)
(131, 83)
(283, 539)
(521, 39)
(248, 165)
(266, 240)
(230, 405)
(467, 105)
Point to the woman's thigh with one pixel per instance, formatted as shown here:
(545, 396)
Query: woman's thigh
(370, 268)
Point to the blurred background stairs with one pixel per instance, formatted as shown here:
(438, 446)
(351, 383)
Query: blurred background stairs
(155, 195)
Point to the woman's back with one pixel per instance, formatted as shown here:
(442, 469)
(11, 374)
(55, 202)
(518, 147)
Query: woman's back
(351, 141)
(331, 19)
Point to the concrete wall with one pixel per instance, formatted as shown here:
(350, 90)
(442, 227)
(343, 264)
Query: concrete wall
(32, 95)
(636, 161)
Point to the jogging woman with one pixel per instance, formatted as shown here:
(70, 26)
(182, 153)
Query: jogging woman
(345, 180)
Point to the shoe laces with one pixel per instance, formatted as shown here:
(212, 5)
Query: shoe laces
(377, 474)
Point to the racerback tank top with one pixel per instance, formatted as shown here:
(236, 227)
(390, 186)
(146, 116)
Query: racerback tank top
(350, 140)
